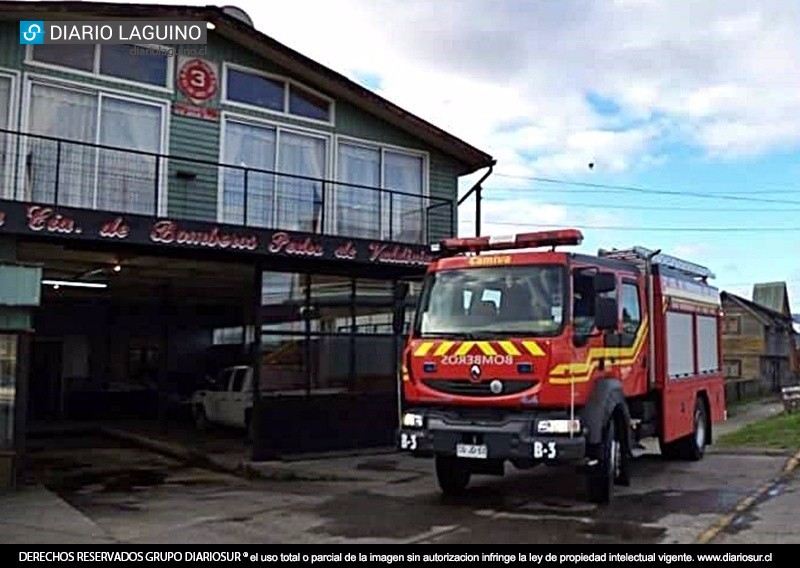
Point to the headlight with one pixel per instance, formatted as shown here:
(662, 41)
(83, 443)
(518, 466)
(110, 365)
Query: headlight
(558, 426)
(412, 420)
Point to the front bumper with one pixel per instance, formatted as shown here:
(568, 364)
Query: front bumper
(446, 433)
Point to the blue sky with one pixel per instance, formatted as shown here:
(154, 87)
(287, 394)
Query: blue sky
(683, 97)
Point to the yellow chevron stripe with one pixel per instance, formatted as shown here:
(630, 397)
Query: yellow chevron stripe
(486, 348)
(465, 348)
(533, 348)
(568, 373)
(423, 349)
(509, 348)
(444, 348)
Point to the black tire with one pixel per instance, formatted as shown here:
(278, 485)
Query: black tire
(452, 474)
(602, 476)
(693, 446)
(200, 419)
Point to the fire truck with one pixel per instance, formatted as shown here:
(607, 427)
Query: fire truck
(523, 352)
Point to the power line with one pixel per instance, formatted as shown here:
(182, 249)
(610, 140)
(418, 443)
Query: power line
(645, 190)
(655, 207)
(664, 229)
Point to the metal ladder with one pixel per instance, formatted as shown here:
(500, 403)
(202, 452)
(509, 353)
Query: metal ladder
(639, 255)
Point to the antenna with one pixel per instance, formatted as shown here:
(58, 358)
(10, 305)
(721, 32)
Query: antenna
(239, 14)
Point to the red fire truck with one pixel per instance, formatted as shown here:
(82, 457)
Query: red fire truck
(545, 356)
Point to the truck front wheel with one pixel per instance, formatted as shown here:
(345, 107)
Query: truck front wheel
(452, 474)
(610, 467)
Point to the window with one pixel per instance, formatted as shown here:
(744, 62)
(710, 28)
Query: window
(497, 301)
(631, 313)
(82, 174)
(149, 65)
(275, 94)
(228, 336)
(276, 201)
(8, 389)
(361, 211)
(255, 90)
(7, 141)
(80, 57)
(238, 379)
(732, 325)
(733, 368)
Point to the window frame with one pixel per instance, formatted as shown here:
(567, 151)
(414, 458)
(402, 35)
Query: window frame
(288, 83)
(732, 317)
(737, 362)
(382, 148)
(14, 111)
(247, 120)
(29, 79)
(169, 88)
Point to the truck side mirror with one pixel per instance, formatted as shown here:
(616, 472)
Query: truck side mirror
(604, 282)
(606, 314)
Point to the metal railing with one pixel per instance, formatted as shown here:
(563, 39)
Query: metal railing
(71, 173)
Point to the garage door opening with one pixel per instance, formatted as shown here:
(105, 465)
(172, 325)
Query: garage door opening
(127, 338)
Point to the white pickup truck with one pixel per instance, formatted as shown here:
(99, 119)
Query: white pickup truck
(229, 401)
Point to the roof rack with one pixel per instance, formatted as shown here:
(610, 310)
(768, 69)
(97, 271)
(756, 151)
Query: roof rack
(640, 255)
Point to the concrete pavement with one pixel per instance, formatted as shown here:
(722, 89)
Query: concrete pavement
(35, 515)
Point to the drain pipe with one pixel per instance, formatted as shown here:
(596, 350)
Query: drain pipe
(477, 189)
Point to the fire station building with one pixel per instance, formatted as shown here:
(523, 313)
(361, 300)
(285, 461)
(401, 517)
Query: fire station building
(167, 211)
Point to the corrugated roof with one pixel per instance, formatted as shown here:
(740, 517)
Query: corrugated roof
(772, 295)
(306, 68)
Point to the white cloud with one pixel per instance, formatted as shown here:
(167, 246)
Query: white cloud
(703, 68)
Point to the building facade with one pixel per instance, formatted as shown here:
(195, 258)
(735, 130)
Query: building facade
(758, 340)
(192, 207)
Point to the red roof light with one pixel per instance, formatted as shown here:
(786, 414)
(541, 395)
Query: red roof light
(562, 237)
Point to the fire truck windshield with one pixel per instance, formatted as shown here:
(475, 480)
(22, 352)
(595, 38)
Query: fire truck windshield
(511, 300)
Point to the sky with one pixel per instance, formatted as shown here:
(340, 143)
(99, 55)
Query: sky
(689, 111)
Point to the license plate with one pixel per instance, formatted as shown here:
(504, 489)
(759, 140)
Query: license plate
(473, 451)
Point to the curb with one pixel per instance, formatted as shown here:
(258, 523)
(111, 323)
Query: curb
(244, 469)
(748, 502)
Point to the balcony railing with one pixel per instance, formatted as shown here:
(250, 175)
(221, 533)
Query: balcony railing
(69, 173)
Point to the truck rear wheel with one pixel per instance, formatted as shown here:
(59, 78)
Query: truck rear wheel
(452, 474)
(693, 446)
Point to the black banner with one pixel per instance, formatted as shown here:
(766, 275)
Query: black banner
(82, 224)
(358, 555)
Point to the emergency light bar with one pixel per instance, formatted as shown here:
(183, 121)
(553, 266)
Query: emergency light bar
(523, 240)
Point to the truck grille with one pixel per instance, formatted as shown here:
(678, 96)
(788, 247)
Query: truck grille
(477, 389)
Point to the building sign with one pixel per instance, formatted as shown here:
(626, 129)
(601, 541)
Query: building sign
(197, 79)
(63, 222)
(194, 111)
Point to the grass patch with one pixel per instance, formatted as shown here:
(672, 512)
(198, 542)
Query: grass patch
(778, 432)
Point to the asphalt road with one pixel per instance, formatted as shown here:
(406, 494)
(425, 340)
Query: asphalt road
(136, 496)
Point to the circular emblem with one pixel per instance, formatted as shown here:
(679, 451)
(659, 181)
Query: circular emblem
(197, 80)
(475, 374)
(496, 387)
